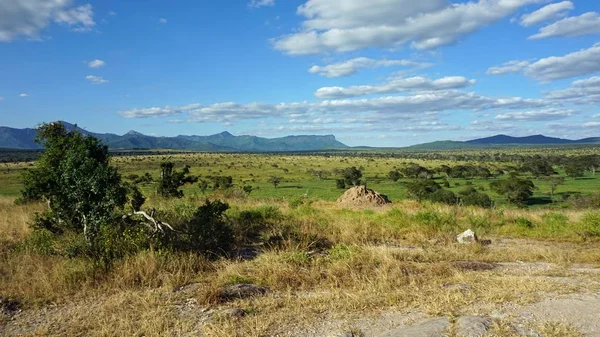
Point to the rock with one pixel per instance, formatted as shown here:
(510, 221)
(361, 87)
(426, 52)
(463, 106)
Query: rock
(361, 195)
(232, 313)
(467, 237)
(472, 326)
(434, 327)
(241, 290)
(9, 307)
(473, 265)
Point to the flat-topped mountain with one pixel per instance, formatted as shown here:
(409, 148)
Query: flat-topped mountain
(12, 138)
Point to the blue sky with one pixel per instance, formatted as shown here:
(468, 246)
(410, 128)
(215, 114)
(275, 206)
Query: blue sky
(379, 72)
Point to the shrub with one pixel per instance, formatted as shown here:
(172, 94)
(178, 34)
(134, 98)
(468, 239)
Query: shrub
(470, 197)
(443, 196)
(206, 232)
(340, 184)
(171, 180)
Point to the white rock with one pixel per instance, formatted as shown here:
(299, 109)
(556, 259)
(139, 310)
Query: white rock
(467, 236)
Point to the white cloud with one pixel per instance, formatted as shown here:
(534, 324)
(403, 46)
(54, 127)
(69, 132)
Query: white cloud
(492, 126)
(396, 85)
(96, 79)
(379, 112)
(585, 24)
(347, 25)
(581, 92)
(508, 67)
(23, 95)
(112, 13)
(19, 18)
(162, 20)
(261, 3)
(547, 13)
(537, 115)
(96, 64)
(586, 61)
(352, 66)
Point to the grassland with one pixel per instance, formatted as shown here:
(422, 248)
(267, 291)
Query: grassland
(350, 263)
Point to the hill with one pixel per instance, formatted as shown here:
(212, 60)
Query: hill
(12, 138)
(502, 141)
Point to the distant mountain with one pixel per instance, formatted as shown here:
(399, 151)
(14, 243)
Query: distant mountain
(502, 140)
(12, 138)
(529, 140)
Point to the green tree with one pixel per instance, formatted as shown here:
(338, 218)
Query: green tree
(554, 183)
(471, 197)
(575, 168)
(171, 180)
(74, 176)
(394, 175)
(420, 189)
(275, 181)
(352, 176)
(516, 190)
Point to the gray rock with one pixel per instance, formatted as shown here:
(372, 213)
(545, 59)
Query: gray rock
(241, 290)
(466, 237)
(472, 326)
(434, 327)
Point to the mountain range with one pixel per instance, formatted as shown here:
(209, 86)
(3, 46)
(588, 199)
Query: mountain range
(23, 139)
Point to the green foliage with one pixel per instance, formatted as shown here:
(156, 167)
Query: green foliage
(416, 171)
(443, 196)
(538, 168)
(171, 180)
(524, 222)
(206, 232)
(352, 176)
(516, 190)
(436, 220)
(394, 175)
(470, 197)
(74, 176)
(222, 182)
(340, 184)
(421, 188)
(275, 181)
(590, 224)
(575, 168)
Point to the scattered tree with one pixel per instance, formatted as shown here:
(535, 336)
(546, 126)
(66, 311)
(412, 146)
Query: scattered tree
(352, 176)
(171, 180)
(516, 190)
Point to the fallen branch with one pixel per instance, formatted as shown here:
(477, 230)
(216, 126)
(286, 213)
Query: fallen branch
(158, 225)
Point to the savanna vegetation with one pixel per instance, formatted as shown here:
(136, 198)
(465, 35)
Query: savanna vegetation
(144, 244)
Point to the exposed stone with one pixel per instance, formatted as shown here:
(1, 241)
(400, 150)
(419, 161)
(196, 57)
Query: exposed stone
(363, 196)
(232, 313)
(467, 237)
(472, 326)
(434, 327)
(241, 290)
(473, 265)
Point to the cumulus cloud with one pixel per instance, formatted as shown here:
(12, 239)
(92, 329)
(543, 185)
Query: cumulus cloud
(536, 115)
(261, 3)
(352, 66)
(492, 126)
(96, 64)
(547, 13)
(585, 24)
(24, 95)
(583, 62)
(381, 112)
(508, 67)
(27, 18)
(396, 85)
(581, 92)
(96, 79)
(346, 25)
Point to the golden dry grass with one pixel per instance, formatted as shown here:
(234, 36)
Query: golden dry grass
(395, 258)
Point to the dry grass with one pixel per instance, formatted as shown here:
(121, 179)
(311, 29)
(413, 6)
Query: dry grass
(397, 258)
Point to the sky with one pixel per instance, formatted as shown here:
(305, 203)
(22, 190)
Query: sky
(377, 72)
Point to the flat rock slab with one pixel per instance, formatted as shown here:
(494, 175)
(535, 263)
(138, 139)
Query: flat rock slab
(241, 290)
(472, 326)
(434, 327)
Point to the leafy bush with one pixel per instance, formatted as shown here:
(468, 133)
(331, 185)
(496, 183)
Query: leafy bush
(171, 180)
(206, 232)
(470, 197)
(443, 196)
